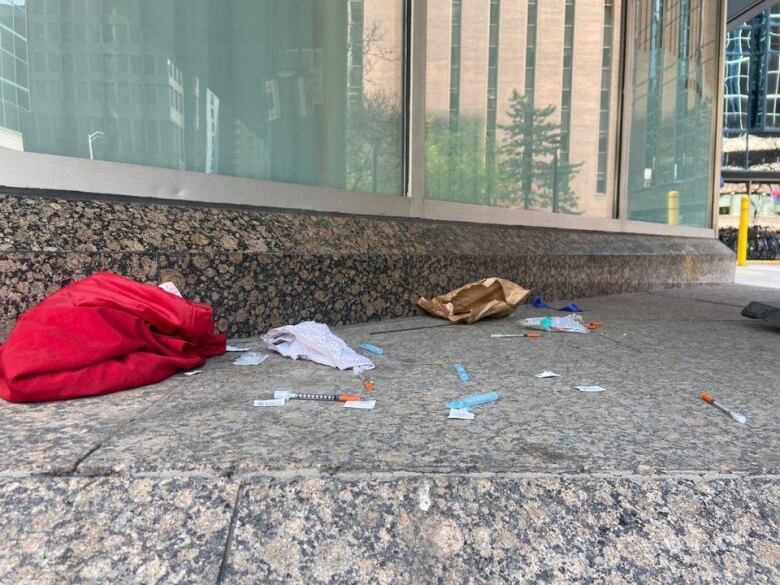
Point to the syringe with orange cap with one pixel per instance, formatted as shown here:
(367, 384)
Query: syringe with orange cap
(288, 395)
(740, 418)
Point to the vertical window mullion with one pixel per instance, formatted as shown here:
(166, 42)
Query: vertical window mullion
(606, 95)
(492, 90)
(416, 16)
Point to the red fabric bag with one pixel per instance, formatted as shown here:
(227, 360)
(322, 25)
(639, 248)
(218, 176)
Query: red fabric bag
(103, 334)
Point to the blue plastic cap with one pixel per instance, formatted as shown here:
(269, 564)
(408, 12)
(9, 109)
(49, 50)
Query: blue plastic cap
(470, 401)
(372, 348)
(462, 373)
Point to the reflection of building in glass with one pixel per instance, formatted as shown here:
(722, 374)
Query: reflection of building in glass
(480, 52)
(751, 108)
(455, 45)
(566, 90)
(752, 92)
(355, 40)
(212, 132)
(739, 54)
(373, 116)
(14, 72)
(100, 66)
(751, 116)
(254, 89)
(492, 92)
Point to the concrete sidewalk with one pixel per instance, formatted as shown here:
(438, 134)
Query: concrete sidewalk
(763, 274)
(186, 482)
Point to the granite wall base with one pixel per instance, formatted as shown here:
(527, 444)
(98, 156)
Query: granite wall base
(261, 268)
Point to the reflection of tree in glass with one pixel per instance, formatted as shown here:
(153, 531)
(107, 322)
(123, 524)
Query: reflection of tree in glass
(374, 49)
(374, 121)
(528, 159)
(374, 144)
(527, 170)
(455, 160)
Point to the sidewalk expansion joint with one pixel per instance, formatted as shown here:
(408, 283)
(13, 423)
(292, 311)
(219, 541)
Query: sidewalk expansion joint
(244, 479)
(381, 476)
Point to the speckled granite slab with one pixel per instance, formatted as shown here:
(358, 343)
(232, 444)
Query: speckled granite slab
(655, 354)
(73, 429)
(263, 268)
(113, 530)
(499, 530)
(186, 482)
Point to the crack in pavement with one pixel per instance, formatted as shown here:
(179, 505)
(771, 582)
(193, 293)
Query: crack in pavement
(121, 426)
(229, 538)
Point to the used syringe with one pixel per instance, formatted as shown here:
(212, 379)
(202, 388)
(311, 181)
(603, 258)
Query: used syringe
(499, 335)
(289, 395)
(740, 418)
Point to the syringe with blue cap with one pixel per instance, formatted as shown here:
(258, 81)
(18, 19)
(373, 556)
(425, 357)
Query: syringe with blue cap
(468, 402)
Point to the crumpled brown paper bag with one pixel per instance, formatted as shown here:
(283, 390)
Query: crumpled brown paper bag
(491, 297)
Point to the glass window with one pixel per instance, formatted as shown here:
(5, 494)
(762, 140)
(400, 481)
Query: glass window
(80, 64)
(80, 32)
(300, 91)
(136, 65)
(20, 21)
(23, 97)
(55, 62)
(21, 73)
(674, 89)
(6, 40)
(9, 66)
(93, 29)
(774, 33)
(20, 47)
(521, 95)
(514, 116)
(737, 81)
(770, 108)
(11, 117)
(7, 15)
(9, 92)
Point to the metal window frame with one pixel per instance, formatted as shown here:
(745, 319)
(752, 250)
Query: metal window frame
(602, 162)
(719, 107)
(35, 171)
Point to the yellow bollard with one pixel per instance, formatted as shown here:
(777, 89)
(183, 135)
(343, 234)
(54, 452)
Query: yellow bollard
(673, 207)
(742, 239)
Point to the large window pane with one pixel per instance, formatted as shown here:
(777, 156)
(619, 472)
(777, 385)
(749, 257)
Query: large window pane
(14, 82)
(674, 88)
(521, 103)
(751, 117)
(301, 91)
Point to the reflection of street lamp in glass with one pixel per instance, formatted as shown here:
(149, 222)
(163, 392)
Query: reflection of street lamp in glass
(91, 138)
